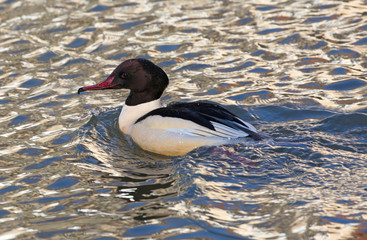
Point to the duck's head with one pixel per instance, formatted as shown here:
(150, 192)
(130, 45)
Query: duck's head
(145, 80)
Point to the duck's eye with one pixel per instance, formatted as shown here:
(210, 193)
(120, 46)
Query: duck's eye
(124, 75)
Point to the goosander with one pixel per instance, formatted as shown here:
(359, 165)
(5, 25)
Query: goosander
(172, 130)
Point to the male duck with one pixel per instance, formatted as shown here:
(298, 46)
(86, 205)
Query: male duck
(173, 130)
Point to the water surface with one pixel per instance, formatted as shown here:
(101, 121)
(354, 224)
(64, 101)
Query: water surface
(296, 70)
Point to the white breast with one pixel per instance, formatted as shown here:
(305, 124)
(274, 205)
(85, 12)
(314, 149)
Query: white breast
(129, 114)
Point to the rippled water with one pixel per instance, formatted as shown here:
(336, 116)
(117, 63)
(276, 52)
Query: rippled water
(294, 69)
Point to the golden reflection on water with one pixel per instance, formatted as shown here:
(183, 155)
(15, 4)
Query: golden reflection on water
(258, 55)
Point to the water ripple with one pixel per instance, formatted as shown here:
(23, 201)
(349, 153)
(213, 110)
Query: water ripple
(294, 69)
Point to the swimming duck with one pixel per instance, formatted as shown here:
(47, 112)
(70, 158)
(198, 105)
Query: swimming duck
(175, 129)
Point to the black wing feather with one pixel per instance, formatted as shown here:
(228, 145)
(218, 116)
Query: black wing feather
(180, 111)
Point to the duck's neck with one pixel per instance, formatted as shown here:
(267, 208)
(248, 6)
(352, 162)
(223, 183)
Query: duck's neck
(129, 114)
(140, 97)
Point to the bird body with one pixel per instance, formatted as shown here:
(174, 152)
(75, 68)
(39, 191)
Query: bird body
(175, 129)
